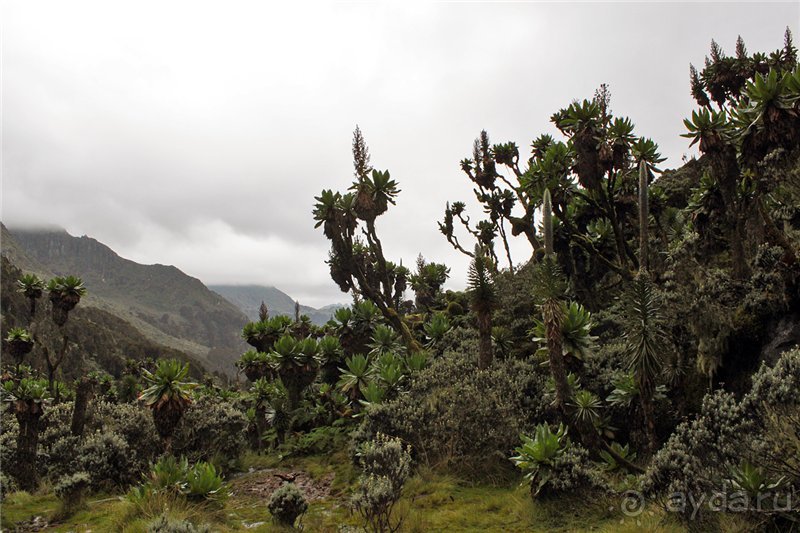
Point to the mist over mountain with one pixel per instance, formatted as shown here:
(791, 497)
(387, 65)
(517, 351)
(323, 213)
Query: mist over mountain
(248, 298)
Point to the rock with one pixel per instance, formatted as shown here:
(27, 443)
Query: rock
(783, 335)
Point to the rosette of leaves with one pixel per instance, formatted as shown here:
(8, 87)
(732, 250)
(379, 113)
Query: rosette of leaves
(169, 473)
(19, 343)
(753, 481)
(436, 328)
(374, 194)
(331, 357)
(384, 340)
(168, 395)
(356, 376)
(255, 365)
(417, 361)
(203, 482)
(389, 370)
(32, 287)
(263, 334)
(538, 455)
(65, 293)
(296, 364)
(576, 339)
(622, 451)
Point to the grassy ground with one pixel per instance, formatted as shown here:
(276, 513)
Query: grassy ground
(432, 502)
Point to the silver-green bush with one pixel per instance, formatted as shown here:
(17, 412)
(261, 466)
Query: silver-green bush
(287, 504)
(386, 465)
(211, 430)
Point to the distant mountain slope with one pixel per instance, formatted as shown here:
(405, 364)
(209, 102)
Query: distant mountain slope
(19, 258)
(248, 298)
(164, 304)
(103, 341)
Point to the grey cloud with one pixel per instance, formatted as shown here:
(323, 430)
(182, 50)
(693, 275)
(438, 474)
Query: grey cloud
(198, 135)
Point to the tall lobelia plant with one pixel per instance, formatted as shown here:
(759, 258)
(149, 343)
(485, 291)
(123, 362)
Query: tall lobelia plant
(549, 289)
(645, 338)
(483, 300)
(644, 214)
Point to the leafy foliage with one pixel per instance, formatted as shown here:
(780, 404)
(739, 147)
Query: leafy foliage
(550, 462)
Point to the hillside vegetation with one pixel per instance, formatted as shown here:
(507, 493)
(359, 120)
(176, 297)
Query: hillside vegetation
(162, 302)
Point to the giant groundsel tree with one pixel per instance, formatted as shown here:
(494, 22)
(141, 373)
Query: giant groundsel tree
(357, 260)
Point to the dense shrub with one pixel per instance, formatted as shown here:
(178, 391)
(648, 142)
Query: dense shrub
(287, 504)
(386, 465)
(761, 430)
(120, 440)
(57, 447)
(133, 423)
(9, 429)
(456, 414)
(110, 461)
(211, 430)
(774, 405)
(7, 486)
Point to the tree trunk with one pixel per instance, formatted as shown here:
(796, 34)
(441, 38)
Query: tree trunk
(294, 394)
(401, 327)
(51, 380)
(485, 353)
(736, 238)
(726, 173)
(551, 312)
(27, 443)
(83, 394)
(646, 402)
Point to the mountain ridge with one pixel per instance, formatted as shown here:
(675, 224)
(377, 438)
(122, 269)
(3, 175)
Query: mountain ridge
(248, 298)
(166, 305)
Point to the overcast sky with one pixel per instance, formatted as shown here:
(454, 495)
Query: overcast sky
(197, 134)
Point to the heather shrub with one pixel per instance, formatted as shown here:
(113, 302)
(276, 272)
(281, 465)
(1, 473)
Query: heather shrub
(57, 455)
(70, 490)
(111, 430)
(386, 465)
(133, 423)
(455, 414)
(703, 455)
(774, 405)
(211, 430)
(57, 446)
(110, 461)
(287, 504)
(9, 429)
